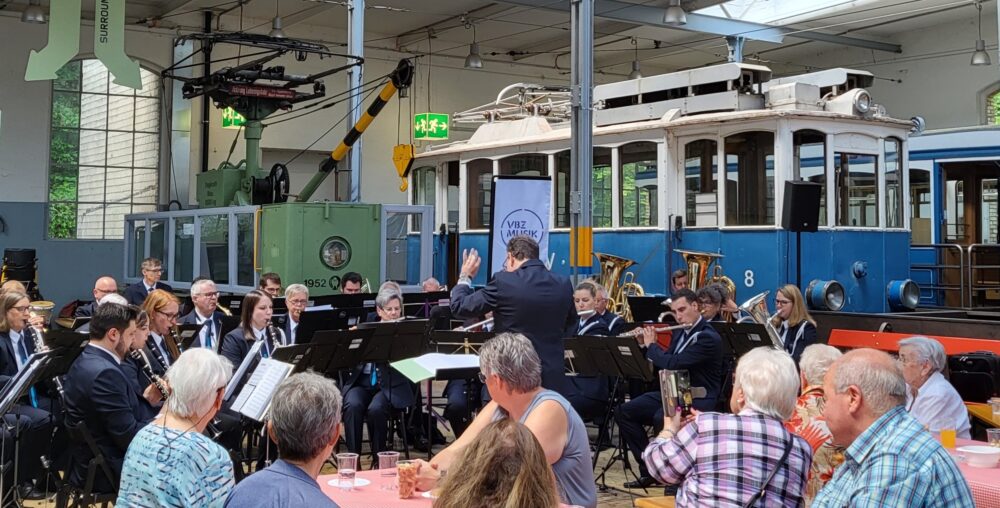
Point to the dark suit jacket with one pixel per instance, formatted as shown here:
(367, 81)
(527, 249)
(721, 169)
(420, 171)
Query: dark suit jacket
(139, 381)
(702, 358)
(8, 364)
(795, 347)
(85, 310)
(156, 356)
(530, 300)
(98, 393)
(136, 293)
(614, 322)
(191, 318)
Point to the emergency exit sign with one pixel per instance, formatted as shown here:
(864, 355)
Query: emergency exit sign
(231, 119)
(430, 126)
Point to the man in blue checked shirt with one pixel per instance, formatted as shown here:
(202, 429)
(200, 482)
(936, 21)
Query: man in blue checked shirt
(891, 460)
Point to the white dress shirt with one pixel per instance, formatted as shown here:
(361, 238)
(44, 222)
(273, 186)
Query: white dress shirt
(15, 343)
(293, 325)
(158, 340)
(938, 406)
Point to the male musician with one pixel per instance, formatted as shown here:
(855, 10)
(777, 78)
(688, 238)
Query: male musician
(98, 395)
(614, 322)
(526, 298)
(697, 350)
(297, 299)
(351, 283)
(205, 297)
(152, 270)
(679, 280)
(430, 285)
(270, 283)
(104, 286)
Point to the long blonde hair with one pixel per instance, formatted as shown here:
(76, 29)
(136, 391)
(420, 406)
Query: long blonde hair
(504, 467)
(7, 301)
(799, 312)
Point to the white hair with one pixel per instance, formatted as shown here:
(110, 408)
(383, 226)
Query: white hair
(393, 286)
(927, 350)
(816, 360)
(880, 383)
(195, 379)
(385, 296)
(512, 357)
(296, 289)
(769, 380)
(198, 287)
(112, 298)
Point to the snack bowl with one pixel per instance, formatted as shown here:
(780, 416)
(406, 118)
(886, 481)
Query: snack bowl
(980, 455)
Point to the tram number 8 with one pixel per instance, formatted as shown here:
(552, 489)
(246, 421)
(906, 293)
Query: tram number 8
(748, 278)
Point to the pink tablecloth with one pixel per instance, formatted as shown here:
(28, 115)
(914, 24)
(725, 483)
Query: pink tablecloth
(373, 495)
(984, 483)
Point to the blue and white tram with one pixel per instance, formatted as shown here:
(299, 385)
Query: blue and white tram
(657, 184)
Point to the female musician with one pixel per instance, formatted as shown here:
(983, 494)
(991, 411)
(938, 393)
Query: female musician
(255, 324)
(133, 367)
(585, 298)
(391, 307)
(163, 310)
(793, 322)
(710, 300)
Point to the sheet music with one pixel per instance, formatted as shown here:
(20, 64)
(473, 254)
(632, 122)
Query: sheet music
(318, 308)
(255, 398)
(427, 366)
(242, 370)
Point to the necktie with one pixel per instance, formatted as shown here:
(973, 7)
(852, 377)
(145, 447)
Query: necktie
(209, 332)
(265, 351)
(374, 375)
(23, 353)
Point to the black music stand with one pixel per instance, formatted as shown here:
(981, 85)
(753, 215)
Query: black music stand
(396, 340)
(312, 321)
(646, 308)
(188, 334)
(420, 304)
(739, 338)
(306, 356)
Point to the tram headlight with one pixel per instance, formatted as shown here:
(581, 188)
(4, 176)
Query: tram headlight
(825, 295)
(903, 294)
(862, 101)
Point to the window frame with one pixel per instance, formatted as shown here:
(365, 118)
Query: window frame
(682, 144)
(779, 175)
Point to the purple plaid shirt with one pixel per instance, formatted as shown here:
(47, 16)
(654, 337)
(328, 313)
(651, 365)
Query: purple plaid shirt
(722, 460)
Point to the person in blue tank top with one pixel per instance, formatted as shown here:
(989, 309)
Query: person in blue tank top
(512, 372)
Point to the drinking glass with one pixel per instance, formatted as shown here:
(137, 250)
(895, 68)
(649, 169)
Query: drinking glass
(993, 436)
(387, 463)
(948, 438)
(347, 467)
(407, 477)
(995, 406)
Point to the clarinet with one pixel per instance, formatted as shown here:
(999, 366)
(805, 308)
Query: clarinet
(272, 335)
(139, 356)
(40, 347)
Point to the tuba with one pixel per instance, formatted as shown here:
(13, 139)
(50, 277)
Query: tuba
(43, 309)
(756, 307)
(618, 288)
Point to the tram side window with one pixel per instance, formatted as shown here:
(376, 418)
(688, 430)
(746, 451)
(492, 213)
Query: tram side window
(810, 163)
(750, 179)
(638, 184)
(857, 191)
(600, 188)
(893, 183)
(479, 190)
(525, 165)
(921, 211)
(424, 184)
(701, 161)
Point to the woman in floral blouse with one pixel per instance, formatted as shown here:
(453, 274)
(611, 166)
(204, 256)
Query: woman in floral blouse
(807, 420)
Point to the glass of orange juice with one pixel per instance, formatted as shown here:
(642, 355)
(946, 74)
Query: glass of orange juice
(948, 438)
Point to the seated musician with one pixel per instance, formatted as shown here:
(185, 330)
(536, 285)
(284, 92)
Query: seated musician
(17, 343)
(589, 394)
(12, 286)
(205, 298)
(270, 283)
(297, 299)
(930, 398)
(255, 325)
(431, 285)
(105, 285)
(710, 301)
(795, 326)
(162, 308)
(98, 395)
(133, 364)
(351, 283)
(697, 350)
(170, 463)
(304, 421)
(678, 281)
(512, 372)
(614, 322)
(372, 390)
(152, 270)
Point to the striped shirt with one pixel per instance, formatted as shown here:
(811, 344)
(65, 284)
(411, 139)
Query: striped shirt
(722, 460)
(895, 462)
(167, 468)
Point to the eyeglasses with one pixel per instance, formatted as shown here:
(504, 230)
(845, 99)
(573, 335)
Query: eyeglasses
(105, 291)
(482, 378)
(214, 294)
(168, 316)
(22, 308)
(298, 302)
(782, 302)
(154, 270)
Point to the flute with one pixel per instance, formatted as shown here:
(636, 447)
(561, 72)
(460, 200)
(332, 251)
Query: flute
(638, 331)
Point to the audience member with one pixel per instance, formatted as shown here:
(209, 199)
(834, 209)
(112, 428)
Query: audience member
(170, 462)
(152, 270)
(890, 460)
(807, 419)
(305, 423)
(930, 398)
(742, 458)
(512, 373)
(504, 467)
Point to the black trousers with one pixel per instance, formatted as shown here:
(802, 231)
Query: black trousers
(366, 404)
(633, 416)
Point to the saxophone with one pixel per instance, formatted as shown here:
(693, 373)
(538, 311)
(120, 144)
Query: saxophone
(140, 356)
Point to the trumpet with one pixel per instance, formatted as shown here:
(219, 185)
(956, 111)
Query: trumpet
(635, 332)
(223, 309)
(140, 356)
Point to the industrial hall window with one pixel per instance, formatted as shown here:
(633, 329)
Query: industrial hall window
(600, 188)
(424, 188)
(701, 162)
(104, 151)
(993, 108)
(638, 184)
(479, 191)
(750, 179)
(810, 163)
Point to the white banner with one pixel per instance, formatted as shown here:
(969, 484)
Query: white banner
(520, 207)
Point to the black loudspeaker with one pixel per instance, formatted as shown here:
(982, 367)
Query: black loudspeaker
(801, 210)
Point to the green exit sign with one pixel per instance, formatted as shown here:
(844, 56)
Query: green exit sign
(231, 119)
(430, 126)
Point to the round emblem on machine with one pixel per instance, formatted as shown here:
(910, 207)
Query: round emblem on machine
(335, 253)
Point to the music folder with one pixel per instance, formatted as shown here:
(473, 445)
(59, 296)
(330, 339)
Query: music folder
(255, 398)
(252, 356)
(438, 366)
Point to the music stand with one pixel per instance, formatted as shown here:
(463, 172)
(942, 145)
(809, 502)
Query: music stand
(306, 356)
(229, 323)
(349, 347)
(79, 321)
(739, 338)
(16, 387)
(312, 321)
(646, 308)
(419, 304)
(57, 339)
(188, 334)
(396, 340)
(456, 341)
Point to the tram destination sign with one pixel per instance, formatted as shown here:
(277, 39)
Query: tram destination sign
(431, 126)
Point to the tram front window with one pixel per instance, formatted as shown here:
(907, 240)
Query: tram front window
(920, 201)
(479, 190)
(701, 159)
(810, 163)
(857, 190)
(638, 184)
(893, 183)
(750, 179)
(600, 188)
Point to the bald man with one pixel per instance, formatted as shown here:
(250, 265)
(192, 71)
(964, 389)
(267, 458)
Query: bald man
(104, 286)
(890, 459)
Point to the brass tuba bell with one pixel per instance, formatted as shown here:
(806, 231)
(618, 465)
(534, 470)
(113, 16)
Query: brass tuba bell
(756, 307)
(42, 308)
(699, 267)
(612, 270)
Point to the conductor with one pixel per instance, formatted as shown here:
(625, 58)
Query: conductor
(525, 298)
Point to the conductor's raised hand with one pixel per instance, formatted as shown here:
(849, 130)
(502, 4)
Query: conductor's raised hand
(470, 263)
